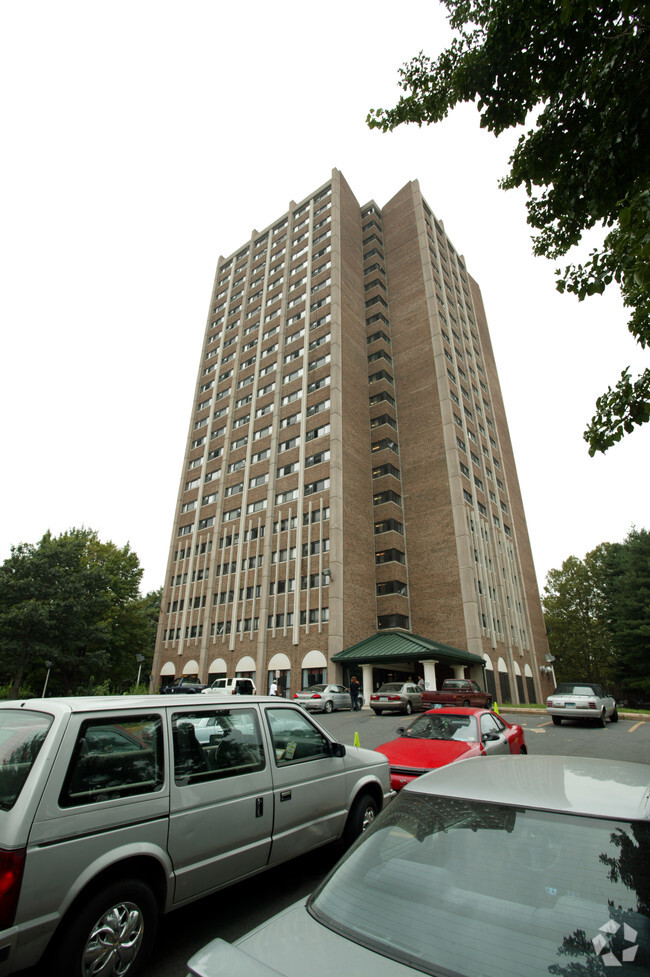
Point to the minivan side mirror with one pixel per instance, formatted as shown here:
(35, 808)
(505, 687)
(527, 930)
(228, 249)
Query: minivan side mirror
(337, 749)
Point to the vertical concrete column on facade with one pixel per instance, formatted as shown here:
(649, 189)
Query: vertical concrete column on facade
(477, 674)
(459, 671)
(366, 682)
(430, 681)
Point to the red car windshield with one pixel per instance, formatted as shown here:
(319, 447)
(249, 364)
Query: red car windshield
(434, 726)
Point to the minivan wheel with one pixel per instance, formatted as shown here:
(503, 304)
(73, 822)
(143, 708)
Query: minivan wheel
(112, 934)
(362, 814)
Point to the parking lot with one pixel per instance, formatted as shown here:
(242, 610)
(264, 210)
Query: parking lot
(239, 908)
(629, 739)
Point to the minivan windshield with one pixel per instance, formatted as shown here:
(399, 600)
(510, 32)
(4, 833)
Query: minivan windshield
(451, 886)
(22, 734)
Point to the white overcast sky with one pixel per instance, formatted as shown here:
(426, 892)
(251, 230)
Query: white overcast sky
(140, 141)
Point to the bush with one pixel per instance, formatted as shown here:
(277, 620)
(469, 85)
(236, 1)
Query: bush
(24, 692)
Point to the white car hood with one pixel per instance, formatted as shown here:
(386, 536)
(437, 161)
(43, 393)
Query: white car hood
(291, 944)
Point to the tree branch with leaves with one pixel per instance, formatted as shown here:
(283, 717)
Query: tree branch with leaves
(577, 72)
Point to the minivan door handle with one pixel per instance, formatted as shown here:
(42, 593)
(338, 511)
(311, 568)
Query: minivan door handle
(285, 795)
(259, 807)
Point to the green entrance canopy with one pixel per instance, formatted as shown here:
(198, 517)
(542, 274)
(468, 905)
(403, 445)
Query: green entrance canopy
(396, 646)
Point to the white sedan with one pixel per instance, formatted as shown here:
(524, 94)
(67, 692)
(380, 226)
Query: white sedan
(581, 700)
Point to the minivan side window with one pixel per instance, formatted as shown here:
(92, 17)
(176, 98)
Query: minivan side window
(114, 758)
(219, 743)
(294, 737)
(22, 734)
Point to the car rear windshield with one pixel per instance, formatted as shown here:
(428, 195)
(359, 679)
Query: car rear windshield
(22, 734)
(449, 886)
(571, 688)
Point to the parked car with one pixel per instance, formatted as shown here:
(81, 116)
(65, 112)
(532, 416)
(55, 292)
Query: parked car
(505, 865)
(115, 809)
(581, 700)
(444, 735)
(324, 698)
(185, 685)
(396, 697)
(457, 692)
(230, 686)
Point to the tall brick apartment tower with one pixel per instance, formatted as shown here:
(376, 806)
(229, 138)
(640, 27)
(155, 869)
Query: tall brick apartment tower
(349, 487)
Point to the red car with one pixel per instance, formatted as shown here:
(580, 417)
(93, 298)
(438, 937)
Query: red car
(441, 736)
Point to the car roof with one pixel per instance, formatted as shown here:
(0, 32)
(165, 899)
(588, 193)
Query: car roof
(571, 785)
(458, 711)
(111, 703)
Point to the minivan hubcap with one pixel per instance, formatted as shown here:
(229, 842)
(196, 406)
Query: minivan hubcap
(114, 942)
(368, 817)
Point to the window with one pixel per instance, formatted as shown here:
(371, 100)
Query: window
(317, 408)
(392, 621)
(380, 497)
(392, 587)
(317, 515)
(389, 556)
(212, 745)
(115, 758)
(316, 547)
(234, 489)
(389, 526)
(320, 486)
(295, 738)
(316, 459)
(385, 470)
(286, 496)
(258, 480)
(317, 432)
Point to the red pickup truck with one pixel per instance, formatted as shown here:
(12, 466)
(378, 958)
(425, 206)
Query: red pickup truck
(457, 692)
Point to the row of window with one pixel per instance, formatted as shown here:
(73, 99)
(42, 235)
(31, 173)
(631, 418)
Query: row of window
(313, 616)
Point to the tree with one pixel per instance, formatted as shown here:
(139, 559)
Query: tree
(629, 598)
(579, 70)
(72, 600)
(597, 614)
(576, 616)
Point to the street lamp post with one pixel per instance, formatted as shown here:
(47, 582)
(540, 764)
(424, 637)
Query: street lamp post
(48, 665)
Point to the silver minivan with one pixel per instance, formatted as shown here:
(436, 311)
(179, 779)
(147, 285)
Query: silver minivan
(114, 810)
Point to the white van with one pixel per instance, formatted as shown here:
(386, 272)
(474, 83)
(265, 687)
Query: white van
(113, 810)
(231, 686)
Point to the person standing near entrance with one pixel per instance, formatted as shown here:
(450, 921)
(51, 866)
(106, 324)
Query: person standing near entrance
(354, 693)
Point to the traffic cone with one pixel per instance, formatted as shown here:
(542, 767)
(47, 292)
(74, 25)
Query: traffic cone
(356, 740)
